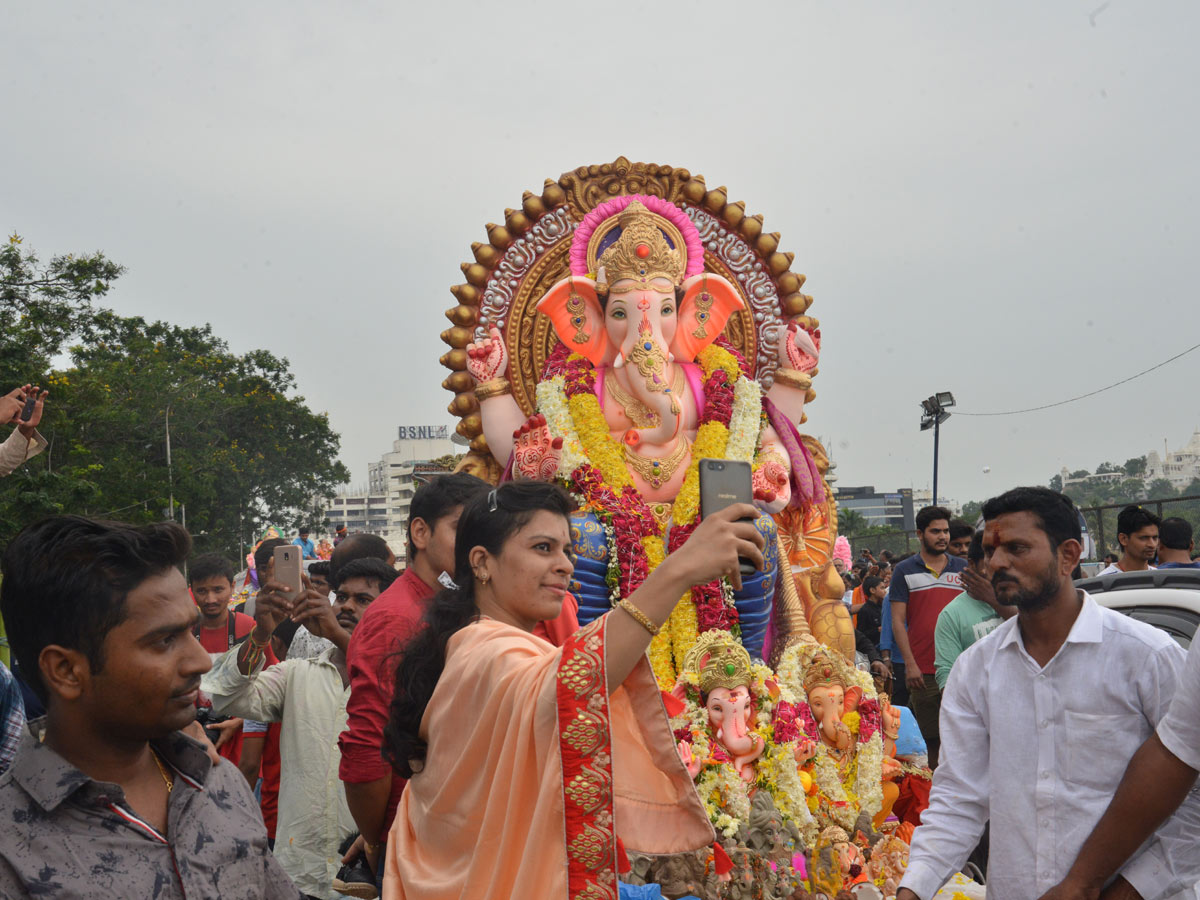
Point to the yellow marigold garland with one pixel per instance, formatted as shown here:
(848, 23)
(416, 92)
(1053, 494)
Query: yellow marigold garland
(660, 644)
(602, 450)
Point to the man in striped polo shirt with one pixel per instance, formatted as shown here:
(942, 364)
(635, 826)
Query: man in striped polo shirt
(922, 586)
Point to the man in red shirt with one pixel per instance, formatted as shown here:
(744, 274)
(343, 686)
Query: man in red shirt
(371, 790)
(210, 578)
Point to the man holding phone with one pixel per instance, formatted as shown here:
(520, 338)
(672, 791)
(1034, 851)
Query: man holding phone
(22, 407)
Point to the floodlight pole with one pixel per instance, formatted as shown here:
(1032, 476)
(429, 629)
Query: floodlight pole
(937, 427)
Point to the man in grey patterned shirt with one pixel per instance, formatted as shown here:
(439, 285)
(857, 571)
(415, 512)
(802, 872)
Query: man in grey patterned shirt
(117, 802)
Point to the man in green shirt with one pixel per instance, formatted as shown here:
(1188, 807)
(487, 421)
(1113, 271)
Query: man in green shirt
(971, 615)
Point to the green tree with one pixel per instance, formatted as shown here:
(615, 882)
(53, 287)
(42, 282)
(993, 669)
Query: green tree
(1135, 467)
(1160, 488)
(1056, 483)
(851, 521)
(971, 511)
(243, 452)
(1107, 467)
(44, 305)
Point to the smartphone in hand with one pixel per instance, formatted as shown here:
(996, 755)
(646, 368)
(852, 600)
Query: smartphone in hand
(288, 568)
(724, 482)
(27, 409)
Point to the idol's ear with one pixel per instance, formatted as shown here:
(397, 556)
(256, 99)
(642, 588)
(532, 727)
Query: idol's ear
(852, 696)
(708, 302)
(574, 309)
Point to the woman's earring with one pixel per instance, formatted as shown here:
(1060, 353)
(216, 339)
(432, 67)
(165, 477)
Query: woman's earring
(483, 578)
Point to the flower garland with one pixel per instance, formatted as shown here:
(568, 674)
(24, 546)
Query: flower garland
(593, 464)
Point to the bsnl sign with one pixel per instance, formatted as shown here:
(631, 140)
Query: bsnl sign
(424, 432)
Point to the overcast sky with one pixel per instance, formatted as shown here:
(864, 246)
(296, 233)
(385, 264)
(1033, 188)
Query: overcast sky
(997, 200)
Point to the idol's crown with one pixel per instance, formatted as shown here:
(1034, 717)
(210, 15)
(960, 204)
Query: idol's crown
(641, 253)
(719, 661)
(822, 672)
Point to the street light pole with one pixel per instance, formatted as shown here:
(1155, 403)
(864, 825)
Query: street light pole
(937, 427)
(170, 471)
(933, 415)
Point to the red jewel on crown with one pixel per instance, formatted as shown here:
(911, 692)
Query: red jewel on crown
(642, 251)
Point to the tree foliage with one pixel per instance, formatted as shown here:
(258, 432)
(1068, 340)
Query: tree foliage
(43, 305)
(244, 449)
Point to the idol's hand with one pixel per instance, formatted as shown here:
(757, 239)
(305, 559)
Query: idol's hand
(800, 346)
(535, 453)
(772, 488)
(488, 359)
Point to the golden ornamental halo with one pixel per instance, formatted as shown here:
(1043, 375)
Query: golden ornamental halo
(525, 256)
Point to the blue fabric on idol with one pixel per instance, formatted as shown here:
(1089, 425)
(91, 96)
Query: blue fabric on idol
(753, 602)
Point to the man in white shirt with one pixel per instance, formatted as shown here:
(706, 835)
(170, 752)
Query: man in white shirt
(309, 697)
(1137, 532)
(1159, 778)
(1040, 718)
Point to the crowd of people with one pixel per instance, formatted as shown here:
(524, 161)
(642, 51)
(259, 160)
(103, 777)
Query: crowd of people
(383, 731)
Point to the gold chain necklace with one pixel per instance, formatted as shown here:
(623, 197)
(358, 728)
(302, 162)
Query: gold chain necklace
(162, 771)
(657, 471)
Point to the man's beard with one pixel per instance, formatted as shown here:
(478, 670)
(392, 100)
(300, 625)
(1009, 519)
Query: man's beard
(1026, 600)
(932, 551)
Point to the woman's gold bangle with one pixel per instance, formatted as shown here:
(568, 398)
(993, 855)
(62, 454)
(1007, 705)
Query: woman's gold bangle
(640, 617)
(494, 387)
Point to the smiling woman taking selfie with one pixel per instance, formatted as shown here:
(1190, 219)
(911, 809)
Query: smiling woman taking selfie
(512, 744)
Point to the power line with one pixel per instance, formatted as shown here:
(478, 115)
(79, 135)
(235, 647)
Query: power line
(1014, 412)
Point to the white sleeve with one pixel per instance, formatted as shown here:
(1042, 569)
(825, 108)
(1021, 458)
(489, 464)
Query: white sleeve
(958, 802)
(1170, 859)
(17, 449)
(259, 695)
(1180, 729)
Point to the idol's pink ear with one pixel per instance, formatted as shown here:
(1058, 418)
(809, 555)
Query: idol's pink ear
(708, 302)
(574, 309)
(852, 698)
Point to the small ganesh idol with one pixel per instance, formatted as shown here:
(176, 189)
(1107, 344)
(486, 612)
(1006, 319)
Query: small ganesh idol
(639, 390)
(725, 678)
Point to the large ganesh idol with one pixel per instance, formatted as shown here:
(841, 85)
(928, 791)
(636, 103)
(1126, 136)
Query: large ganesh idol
(640, 384)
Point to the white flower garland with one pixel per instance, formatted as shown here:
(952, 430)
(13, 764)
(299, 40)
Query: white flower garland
(552, 403)
(746, 420)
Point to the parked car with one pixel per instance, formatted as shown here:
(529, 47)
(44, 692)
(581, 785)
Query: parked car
(1168, 599)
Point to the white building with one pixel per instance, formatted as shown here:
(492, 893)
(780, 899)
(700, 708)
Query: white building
(1088, 480)
(1180, 468)
(383, 508)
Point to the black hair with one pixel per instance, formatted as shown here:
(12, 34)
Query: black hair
(930, 514)
(210, 565)
(975, 551)
(1175, 534)
(357, 546)
(488, 521)
(439, 498)
(320, 567)
(66, 579)
(870, 583)
(264, 554)
(1134, 518)
(960, 528)
(1055, 512)
(368, 567)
